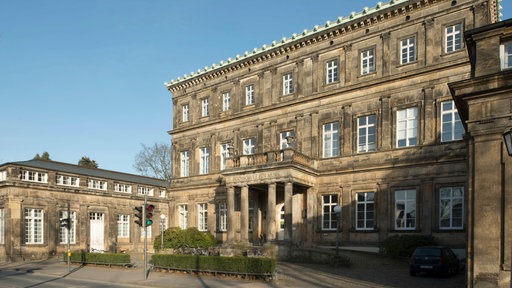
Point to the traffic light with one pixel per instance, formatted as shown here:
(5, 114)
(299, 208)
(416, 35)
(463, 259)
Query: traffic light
(149, 214)
(65, 223)
(138, 215)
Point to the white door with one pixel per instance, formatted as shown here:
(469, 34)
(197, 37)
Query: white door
(280, 229)
(97, 233)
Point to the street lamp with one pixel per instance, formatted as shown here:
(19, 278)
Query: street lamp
(337, 210)
(162, 226)
(507, 137)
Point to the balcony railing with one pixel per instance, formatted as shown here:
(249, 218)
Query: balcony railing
(286, 156)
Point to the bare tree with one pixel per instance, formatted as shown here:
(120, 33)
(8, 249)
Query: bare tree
(154, 161)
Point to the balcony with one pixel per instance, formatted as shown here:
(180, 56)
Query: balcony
(284, 157)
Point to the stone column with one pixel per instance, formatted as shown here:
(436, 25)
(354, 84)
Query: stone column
(288, 193)
(311, 201)
(231, 213)
(244, 214)
(296, 217)
(271, 212)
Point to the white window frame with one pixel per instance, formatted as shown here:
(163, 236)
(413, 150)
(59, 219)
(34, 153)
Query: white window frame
(329, 217)
(283, 142)
(184, 163)
(506, 55)
(287, 84)
(224, 154)
(96, 184)
(204, 107)
(365, 211)
(202, 217)
(3, 175)
(330, 140)
(407, 127)
(249, 94)
(406, 200)
(34, 226)
(34, 176)
(223, 216)
(331, 71)
(453, 38)
(249, 146)
(185, 113)
(63, 231)
(143, 190)
(204, 160)
(66, 180)
(449, 197)
(368, 61)
(2, 225)
(408, 50)
(123, 226)
(122, 188)
(451, 125)
(183, 216)
(226, 101)
(365, 126)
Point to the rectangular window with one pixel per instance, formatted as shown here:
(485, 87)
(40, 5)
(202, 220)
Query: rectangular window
(330, 137)
(68, 180)
(407, 51)
(34, 176)
(63, 233)
(226, 101)
(204, 161)
(367, 62)
(366, 134)
(202, 210)
(329, 217)
(183, 216)
(365, 211)
(249, 95)
(96, 184)
(331, 71)
(122, 188)
(146, 191)
(33, 223)
(453, 38)
(287, 84)
(249, 146)
(286, 139)
(451, 126)
(3, 175)
(506, 55)
(2, 226)
(162, 194)
(405, 210)
(185, 113)
(123, 226)
(407, 127)
(204, 107)
(451, 207)
(224, 154)
(184, 163)
(149, 229)
(223, 216)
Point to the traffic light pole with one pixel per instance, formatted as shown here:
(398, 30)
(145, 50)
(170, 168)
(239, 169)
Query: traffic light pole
(145, 238)
(68, 227)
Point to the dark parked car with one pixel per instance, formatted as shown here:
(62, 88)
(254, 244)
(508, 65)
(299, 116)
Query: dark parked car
(434, 259)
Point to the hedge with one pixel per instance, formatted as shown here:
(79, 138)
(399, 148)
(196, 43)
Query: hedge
(98, 258)
(404, 245)
(236, 264)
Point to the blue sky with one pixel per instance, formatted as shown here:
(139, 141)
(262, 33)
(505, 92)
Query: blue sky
(85, 78)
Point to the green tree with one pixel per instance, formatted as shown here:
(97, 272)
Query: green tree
(87, 162)
(45, 156)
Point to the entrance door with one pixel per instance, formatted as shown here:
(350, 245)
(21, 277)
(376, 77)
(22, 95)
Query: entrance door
(97, 231)
(280, 230)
